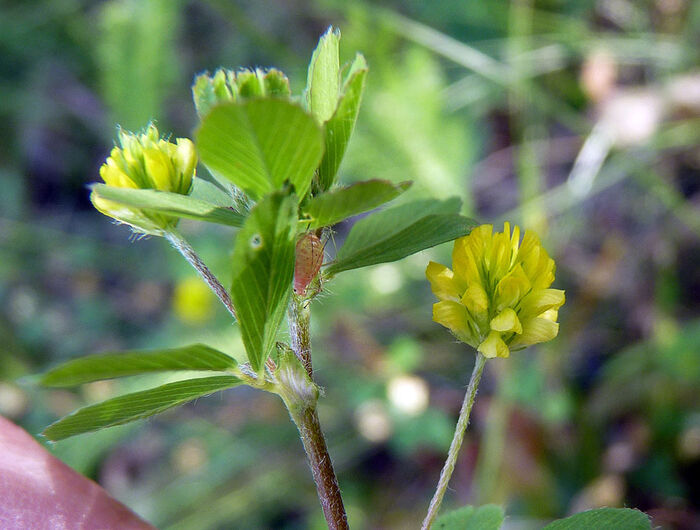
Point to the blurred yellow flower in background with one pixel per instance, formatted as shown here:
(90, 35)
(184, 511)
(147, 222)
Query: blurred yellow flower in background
(497, 298)
(193, 302)
(146, 161)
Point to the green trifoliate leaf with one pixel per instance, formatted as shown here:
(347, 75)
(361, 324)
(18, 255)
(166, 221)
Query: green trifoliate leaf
(335, 205)
(398, 232)
(488, 517)
(260, 144)
(111, 365)
(339, 127)
(323, 80)
(138, 405)
(226, 86)
(170, 204)
(263, 265)
(604, 518)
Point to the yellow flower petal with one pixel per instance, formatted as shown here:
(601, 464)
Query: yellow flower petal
(535, 330)
(443, 282)
(550, 314)
(540, 300)
(494, 346)
(454, 317)
(114, 176)
(159, 169)
(185, 160)
(511, 288)
(464, 263)
(506, 321)
(476, 300)
(125, 214)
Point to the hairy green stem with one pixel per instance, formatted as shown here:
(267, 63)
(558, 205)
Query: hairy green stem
(457, 440)
(299, 320)
(321, 466)
(184, 248)
(305, 416)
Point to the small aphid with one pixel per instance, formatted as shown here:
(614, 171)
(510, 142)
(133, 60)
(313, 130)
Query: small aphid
(309, 258)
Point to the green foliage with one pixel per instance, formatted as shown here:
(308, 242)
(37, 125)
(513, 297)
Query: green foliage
(260, 144)
(173, 204)
(488, 517)
(138, 405)
(338, 204)
(398, 232)
(111, 365)
(263, 268)
(604, 519)
(340, 125)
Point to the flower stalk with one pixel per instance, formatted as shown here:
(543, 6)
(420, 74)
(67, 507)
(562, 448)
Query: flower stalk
(456, 444)
(184, 248)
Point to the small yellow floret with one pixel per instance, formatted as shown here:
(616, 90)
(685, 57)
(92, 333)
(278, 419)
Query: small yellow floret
(145, 161)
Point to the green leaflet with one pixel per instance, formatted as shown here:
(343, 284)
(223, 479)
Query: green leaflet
(260, 144)
(263, 265)
(340, 125)
(335, 205)
(603, 518)
(135, 406)
(173, 204)
(111, 365)
(487, 517)
(398, 232)
(323, 81)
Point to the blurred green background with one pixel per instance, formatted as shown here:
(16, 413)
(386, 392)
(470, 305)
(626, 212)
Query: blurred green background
(579, 119)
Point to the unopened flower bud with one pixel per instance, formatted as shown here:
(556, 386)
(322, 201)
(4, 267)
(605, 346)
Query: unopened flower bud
(227, 85)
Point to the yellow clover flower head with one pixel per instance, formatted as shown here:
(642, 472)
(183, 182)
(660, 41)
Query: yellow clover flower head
(497, 297)
(147, 161)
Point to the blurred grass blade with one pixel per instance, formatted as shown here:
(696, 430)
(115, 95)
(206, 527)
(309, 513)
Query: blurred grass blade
(131, 407)
(626, 518)
(260, 144)
(339, 127)
(399, 232)
(136, 57)
(338, 204)
(111, 365)
(323, 81)
(263, 268)
(446, 46)
(488, 517)
(168, 203)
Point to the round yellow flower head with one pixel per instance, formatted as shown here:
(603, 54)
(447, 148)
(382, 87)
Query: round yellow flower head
(146, 161)
(497, 296)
